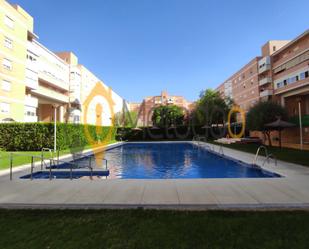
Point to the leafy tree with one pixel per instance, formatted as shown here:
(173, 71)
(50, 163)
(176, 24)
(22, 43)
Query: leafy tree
(211, 108)
(126, 119)
(263, 113)
(166, 116)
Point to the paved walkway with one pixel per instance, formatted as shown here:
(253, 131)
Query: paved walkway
(290, 191)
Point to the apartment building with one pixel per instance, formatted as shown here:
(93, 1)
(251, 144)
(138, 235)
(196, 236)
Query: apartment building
(290, 72)
(38, 84)
(280, 74)
(82, 82)
(253, 82)
(149, 103)
(243, 86)
(16, 27)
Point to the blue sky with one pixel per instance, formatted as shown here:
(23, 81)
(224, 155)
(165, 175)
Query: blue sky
(140, 47)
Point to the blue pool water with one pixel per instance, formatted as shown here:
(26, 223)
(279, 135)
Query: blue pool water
(158, 161)
(175, 160)
(65, 174)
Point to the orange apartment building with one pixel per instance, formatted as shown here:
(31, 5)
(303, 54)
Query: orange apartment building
(280, 74)
(149, 103)
(243, 86)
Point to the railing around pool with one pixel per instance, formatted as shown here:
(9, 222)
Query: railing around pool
(12, 154)
(52, 163)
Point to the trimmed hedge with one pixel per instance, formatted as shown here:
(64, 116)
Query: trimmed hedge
(35, 136)
(158, 134)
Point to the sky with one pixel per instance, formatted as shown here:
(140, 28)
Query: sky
(141, 47)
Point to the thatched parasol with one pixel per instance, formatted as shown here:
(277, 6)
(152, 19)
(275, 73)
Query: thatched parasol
(279, 125)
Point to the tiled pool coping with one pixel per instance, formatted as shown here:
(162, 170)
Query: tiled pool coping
(289, 192)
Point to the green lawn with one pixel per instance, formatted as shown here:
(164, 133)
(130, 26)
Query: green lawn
(20, 160)
(73, 229)
(284, 154)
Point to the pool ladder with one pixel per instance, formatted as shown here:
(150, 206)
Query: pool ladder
(268, 156)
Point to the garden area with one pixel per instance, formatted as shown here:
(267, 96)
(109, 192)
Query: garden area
(72, 229)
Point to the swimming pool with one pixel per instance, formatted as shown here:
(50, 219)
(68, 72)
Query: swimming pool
(174, 161)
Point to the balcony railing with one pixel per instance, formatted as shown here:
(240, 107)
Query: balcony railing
(53, 81)
(265, 81)
(266, 93)
(51, 94)
(264, 64)
(264, 68)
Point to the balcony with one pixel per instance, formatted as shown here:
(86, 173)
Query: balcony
(51, 94)
(265, 81)
(266, 93)
(264, 64)
(31, 101)
(31, 79)
(49, 79)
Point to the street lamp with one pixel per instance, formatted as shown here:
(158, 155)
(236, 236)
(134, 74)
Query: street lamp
(300, 123)
(55, 127)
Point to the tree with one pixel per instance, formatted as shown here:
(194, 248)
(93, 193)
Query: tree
(166, 116)
(263, 113)
(211, 108)
(126, 119)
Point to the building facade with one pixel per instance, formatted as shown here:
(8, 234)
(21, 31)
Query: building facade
(280, 74)
(150, 103)
(38, 85)
(16, 28)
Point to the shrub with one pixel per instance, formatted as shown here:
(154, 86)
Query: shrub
(180, 133)
(35, 136)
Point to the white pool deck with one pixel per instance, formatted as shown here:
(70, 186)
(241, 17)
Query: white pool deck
(288, 192)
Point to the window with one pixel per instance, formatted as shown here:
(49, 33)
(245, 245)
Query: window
(285, 82)
(4, 107)
(8, 43)
(7, 64)
(30, 58)
(9, 22)
(30, 111)
(302, 76)
(274, 48)
(6, 85)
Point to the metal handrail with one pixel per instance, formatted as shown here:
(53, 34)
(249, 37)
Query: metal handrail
(257, 153)
(102, 158)
(270, 156)
(51, 155)
(221, 152)
(206, 146)
(51, 163)
(21, 155)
